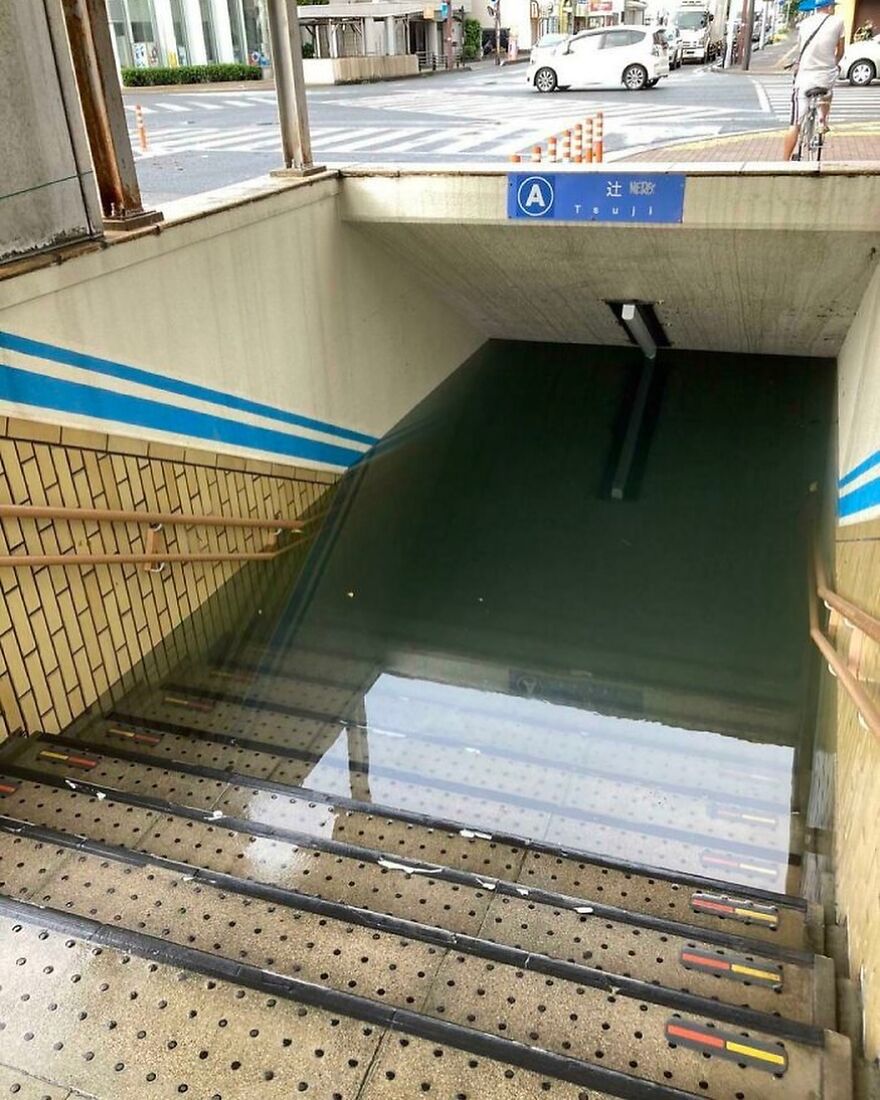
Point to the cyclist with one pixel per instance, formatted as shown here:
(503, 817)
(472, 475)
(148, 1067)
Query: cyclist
(821, 41)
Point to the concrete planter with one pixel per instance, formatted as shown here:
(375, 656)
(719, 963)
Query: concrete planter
(352, 70)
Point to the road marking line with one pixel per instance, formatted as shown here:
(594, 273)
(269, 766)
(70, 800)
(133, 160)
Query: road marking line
(406, 146)
(376, 137)
(763, 98)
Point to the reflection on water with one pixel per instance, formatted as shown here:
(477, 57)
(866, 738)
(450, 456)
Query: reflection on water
(482, 635)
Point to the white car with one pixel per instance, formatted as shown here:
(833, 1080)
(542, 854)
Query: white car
(547, 44)
(636, 57)
(861, 61)
(674, 44)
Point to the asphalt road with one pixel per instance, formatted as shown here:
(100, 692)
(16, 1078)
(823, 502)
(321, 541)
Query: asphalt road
(201, 140)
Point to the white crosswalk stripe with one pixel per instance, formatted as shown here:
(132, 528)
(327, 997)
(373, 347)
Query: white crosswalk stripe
(850, 104)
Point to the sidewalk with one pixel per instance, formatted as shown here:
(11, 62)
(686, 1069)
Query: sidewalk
(772, 59)
(850, 142)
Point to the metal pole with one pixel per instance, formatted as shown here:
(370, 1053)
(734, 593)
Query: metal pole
(731, 20)
(497, 32)
(749, 23)
(91, 47)
(287, 65)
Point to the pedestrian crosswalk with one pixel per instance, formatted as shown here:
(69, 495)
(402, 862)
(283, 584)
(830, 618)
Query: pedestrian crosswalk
(640, 120)
(198, 102)
(850, 104)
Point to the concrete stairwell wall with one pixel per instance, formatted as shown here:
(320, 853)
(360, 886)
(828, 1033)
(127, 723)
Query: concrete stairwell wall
(857, 569)
(231, 363)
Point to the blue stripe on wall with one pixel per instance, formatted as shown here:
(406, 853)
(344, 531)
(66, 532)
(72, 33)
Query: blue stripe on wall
(27, 388)
(857, 471)
(173, 385)
(866, 496)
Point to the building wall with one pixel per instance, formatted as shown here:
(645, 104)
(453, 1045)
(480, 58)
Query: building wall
(857, 569)
(76, 637)
(179, 32)
(47, 190)
(267, 330)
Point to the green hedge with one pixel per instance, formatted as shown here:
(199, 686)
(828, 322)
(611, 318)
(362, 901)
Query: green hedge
(190, 74)
(473, 39)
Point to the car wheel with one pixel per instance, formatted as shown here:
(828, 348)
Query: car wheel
(635, 77)
(862, 73)
(545, 80)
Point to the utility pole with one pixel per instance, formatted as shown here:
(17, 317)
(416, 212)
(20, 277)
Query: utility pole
(450, 37)
(91, 47)
(748, 28)
(497, 32)
(290, 89)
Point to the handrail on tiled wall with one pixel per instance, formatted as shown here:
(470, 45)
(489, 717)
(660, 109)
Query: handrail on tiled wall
(153, 555)
(868, 710)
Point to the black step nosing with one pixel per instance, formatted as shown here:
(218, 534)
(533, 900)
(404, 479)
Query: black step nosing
(469, 879)
(702, 882)
(259, 670)
(503, 954)
(573, 813)
(291, 710)
(350, 1005)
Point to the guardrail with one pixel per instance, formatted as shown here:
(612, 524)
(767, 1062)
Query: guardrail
(153, 554)
(433, 61)
(583, 143)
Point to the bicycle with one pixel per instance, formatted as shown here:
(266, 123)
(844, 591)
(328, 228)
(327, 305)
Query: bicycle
(811, 135)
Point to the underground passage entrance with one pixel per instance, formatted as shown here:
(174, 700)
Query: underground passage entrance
(498, 792)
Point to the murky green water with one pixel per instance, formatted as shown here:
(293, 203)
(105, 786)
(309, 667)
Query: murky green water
(520, 652)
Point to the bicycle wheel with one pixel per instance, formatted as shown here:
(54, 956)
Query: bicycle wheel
(805, 150)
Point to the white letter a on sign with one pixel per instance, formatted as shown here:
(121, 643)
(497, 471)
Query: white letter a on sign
(535, 196)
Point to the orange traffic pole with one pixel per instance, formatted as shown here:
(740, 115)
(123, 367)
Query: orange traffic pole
(566, 146)
(141, 128)
(514, 158)
(577, 144)
(588, 140)
(551, 150)
(537, 154)
(599, 138)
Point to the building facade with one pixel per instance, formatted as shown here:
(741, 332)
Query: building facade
(147, 33)
(528, 20)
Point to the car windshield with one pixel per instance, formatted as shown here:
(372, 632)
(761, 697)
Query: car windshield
(690, 20)
(551, 40)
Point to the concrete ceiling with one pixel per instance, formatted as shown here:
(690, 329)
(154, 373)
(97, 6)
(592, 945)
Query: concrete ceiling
(770, 263)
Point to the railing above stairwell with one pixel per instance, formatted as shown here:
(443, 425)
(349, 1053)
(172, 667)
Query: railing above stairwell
(154, 557)
(868, 709)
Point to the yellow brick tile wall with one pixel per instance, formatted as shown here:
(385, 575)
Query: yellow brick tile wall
(74, 638)
(857, 788)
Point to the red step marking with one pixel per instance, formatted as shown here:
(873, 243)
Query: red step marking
(694, 1036)
(701, 960)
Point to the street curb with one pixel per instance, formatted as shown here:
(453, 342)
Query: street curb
(202, 87)
(749, 72)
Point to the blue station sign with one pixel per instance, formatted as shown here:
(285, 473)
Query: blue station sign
(596, 196)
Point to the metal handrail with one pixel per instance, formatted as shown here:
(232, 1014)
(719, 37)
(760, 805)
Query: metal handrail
(151, 557)
(170, 519)
(868, 710)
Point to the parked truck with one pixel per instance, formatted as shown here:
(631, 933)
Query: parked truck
(701, 23)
